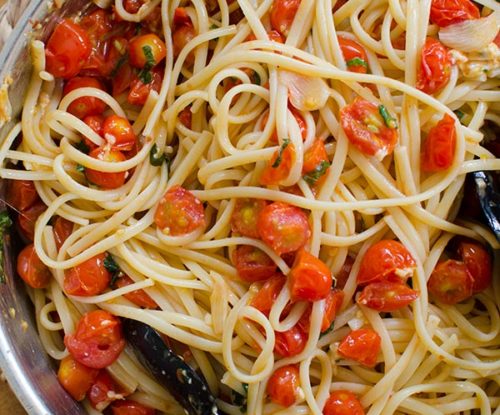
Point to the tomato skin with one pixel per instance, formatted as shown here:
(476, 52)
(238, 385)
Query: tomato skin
(186, 117)
(102, 391)
(290, 343)
(106, 180)
(88, 278)
(138, 58)
(129, 407)
(283, 385)
(387, 296)
(435, 67)
(31, 269)
(138, 297)
(62, 230)
(386, 260)
(283, 227)
(478, 262)
(310, 278)
(265, 297)
(118, 132)
(139, 91)
(75, 378)
(451, 282)
(95, 122)
(282, 15)
(447, 12)
(253, 264)
(352, 50)
(28, 217)
(179, 212)
(67, 50)
(333, 302)
(245, 216)
(21, 194)
(123, 79)
(273, 174)
(343, 402)
(183, 32)
(84, 106)
(314, 156)
(298, 117)
(366, 129)
(97, 341)
(439, 147)
(343, 275)
(361, 345)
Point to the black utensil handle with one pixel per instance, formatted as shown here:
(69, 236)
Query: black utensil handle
(489, 199)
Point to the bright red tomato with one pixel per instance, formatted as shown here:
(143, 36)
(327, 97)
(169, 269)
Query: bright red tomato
(75, 377)
(290, 343)
(102, 392)
(31, 269)
(146, 51)
(354, 55)
(343, 274)
(333, 302)
(343, 402)
(106, 180)
(447, 12)
(279, 166)
(310, 278)
(21, 194)
(478, 263)
(88, 278)
(95, 122)
(439, 147)
(283, 385)
(186, 117)
(67, 50)
(28, 217)
(386, 260)
(123, 79)
(138, 297)
(314, 157)
(128, 407)
(369, 127)
(179, 212)
(62, 230)
(84, 106)
(253, 264)
(283, 227)
(387, 296)
(435, 67)
(282, 15)
(139, 91)
(97, 341)
(361, 345)
(265, 297)
(118, 132)
(451, 282)
(298, 117)
(245, 215)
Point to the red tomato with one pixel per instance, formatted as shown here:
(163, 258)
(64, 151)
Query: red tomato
(179, 212)
(31, 269)
(447, 12)
(102, 392)
(333, 302)
(387, 296)
(253, 264)
(310, 278)
(367, 130)
(361, 345)
(128, 407)
(186, 117)
(95, 122)
(314, 156)
(283, 385)
(478, 263)
(439, 147)
(88, 278)
(62, 229)
(182, 33)
(282, 15)
(28, 217)
(265, 297)
(21, 194)
(435, 67)
(386, 260)
(138, 297)
(496, 41)
(273, 35)
(290, 343)
(283, 227)
(97, 341)
(85, 106)
(132, 6)
(75, 377)
(146, 51)
(103, 179)
(279, 166)
(451, 282)
(338, 5)
(123, 79)
(343, 402)
(354, 55)
(67, 50)
(245, 215)
(139, 91)
(118, 132)
(298, 117)
(344, 272)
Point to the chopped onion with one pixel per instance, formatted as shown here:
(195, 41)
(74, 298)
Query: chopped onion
(471, 35)
(306, 93)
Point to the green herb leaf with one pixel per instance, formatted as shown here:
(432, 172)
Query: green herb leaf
(255, 78)
(356, 62)
(80, 168)
(155, 158)
(81, 146)
(113, 268)
(5, 223)
(460, 115)
(279, 159)
(145, 74)
(388, 119)
(312, 177)
(328, 330)
(239, 399)
(213, 26)
(118, 65)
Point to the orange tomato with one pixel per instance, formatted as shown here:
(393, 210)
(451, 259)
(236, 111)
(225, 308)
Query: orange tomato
(106, 180)
(146, 51)
(118, 132)
(265, 297)
(279, 166)
(75, 378)
(439, 147)
(138, 297)
(333, 302)
(88, 278)
(354, 55)
(435, 67)
(282, 15)
(31, 269)
(451, 282)
(387, 296)
(283, 385)
(314, 156)
(361, 345)
(343, 402)
(310, 278)
(298, 117)
(245, 215)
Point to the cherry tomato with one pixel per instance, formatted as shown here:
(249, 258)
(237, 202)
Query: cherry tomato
(290, 343)
(138, 297)
(283, 227)
(62, 230)
(451, 282)
(183, 32)
(435, 67)
(279, 166)
(119, 133)
(298, 117)
(139, 91)
(28, 217)
(146, 50)
(75, 377)
(84, 106)
(88, 278)
(253, 264)
(95, 122)
(316, 162)
(123, 79)
(265, 297)
(97, 341)
(282, 15)
(102, 392)
(179, 212)
(344, 272)
(386, 260)
(361, 345)
(186, 117)
(310, 278)
(439, 147)
(343, 402)
(21, 194)
(245, 215)
(283, 385)
(333, 302)
(106, 180)
(339, 4)
(387, 296)
(67, 50)
(367, 130)
(447, 12)
(31, 269)
(128, 407)
(478, 263)
(132, 6)
(354, 55)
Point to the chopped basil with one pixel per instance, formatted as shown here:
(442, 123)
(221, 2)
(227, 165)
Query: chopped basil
(388, 119)
(312, 177)
(155, 158)
(328, 330)
(5, 223)
(145, 74)
(80, 168)
(460, 115)
(113, 269)
(255, 78)
(278, 160)
(81, 146)
(239, 399)
(213, 26)
(118, 65)
(356, 62)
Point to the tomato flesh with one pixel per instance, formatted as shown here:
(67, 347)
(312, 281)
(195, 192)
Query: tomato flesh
(138, 297)
(84, 106)
(146, 50)
(128, 407)
(310, 278)
(439, 147)
(290, 343)
(245, 216)
(283, 385)
(88, 278)
(333, 302)
(314, 157)
(354, 55)
(361, 345)
(118, 133)
(279, 166)
(21, 194)
(183, 33)
(106, 180)
(435, 67)
(102, 392)
(282, 15)
(266, 296)
(451, 282)
(31, 269)
(95, 122)
(448, 12)
(139, 91)
(253, 264)
(477, 260)
(75, 378)
(343, 402)
(387, 296)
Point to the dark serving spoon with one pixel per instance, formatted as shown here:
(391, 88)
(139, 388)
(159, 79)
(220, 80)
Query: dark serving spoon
(489, 199)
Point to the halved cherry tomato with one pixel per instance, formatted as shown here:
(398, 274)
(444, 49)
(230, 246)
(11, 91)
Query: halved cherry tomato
(386, 260)
(333, 302)
(298, 117)
(118, 133)
(106, 180)
(478, 263)
(182, 33)
(314, 156)
(451, 282)
(447, 12)
(283, 385)
(138, 297)
(139, 91)
(31, 269)
(21, 194)
(95, 122)
(179, 212)
(354, 55)
(265, 297)
(103, 391)
(290, 343)
(146, 51)
(75, 377)
(253, 264)
(97, 341)
(387, 296)
(132, 6)
(88, 278)
(435, 67)
(342, 276)
(28, 217)
(343, 402)
(245, 215)
(361, 345)
(62, 229)
(310, 278)
(439, 147)
(282, 15)
(283, 227)
(367, 129)
(84, 106)
(67, 50)
(128, 407)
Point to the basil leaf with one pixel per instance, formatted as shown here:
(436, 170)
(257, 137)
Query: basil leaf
(312, 177)
(81, 146)
(279, 159)
(155, 158)
(80, 168)
(356, 62)
(255, 78)
(113, 268)
(239, 399)
(388, 119)
(145, 74)
(5, 223)
(118, 65)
